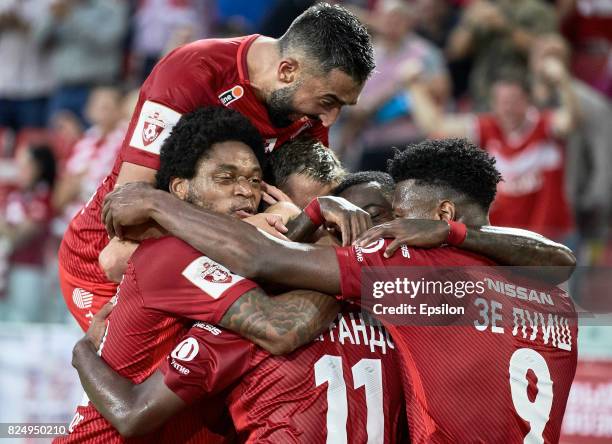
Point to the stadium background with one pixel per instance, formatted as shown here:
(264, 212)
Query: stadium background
(65, 80)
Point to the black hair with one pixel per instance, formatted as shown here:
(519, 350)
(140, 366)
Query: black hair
(303, 155)
(454, 164)
(334, 38)
(195, 134)
(384, 179)
(44, 158)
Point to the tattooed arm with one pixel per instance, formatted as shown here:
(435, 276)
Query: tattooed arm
(280, 324)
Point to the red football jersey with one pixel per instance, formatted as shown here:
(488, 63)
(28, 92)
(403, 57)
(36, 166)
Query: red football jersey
(203, 73)
(532, 194)
(499, 373)
(155, 302)
(343, 387)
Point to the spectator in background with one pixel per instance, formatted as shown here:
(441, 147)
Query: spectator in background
(587, 25)
(527, 144)
(158, 22)
(436, 20)
(382, 116)
(93, 156)
(25, 83)
(84, 38)
(498, 35)
(589, 155)
(303, 170)
(24, 229)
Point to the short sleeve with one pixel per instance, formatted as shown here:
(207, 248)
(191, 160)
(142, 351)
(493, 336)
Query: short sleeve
(206, 361)
(178, 85)
(174, 278)
(352, 260)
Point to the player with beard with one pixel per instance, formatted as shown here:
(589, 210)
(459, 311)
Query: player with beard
(287, 86)
(509, 384)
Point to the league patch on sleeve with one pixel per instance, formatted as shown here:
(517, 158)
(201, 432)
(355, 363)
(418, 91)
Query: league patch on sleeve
(210, 277)
(154, 125)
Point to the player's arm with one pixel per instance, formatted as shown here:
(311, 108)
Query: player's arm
(133, 409)
(506, 246)
(113, 259)
(239, 246)
(280, 324)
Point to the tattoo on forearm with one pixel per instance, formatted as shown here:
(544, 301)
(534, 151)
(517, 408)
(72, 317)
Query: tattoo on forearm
(296, 317)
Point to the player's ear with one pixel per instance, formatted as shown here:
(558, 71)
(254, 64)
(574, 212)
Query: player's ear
(446, 210)
(179, 187)
(287, 70)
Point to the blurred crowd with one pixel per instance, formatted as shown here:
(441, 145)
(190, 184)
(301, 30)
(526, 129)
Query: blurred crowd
(529, 80)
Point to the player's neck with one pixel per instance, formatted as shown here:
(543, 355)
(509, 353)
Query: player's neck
(262, 59)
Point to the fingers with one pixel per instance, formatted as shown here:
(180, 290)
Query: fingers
(276, 193)
(370, 236)
(345, 229)
(268, 199)
(392, 247)
(276, 221)
(105, 311)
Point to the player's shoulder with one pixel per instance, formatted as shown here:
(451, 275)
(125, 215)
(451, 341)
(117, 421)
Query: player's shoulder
(214, 54)
(166, 244)
(163, 256)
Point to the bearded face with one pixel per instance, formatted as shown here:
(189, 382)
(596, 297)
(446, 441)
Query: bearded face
(280, 106)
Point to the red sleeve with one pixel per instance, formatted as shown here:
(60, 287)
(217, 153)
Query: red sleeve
(320, 133)
(206, 361)
(179, 84)
(175, 278)
(352, 260)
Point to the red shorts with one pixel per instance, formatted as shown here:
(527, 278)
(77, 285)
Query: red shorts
(83, 298)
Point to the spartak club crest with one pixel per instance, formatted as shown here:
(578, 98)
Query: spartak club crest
(153, 127)
(215, 273)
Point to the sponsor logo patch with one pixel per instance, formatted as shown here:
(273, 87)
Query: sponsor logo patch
(231, 95)
(186, 350)
(210, 277)
(154, 125)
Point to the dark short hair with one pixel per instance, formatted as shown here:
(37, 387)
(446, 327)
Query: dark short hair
(334, 38)
(43, 157)
(385, 180)
(454, 164)
(195, 134)
(303, 155)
